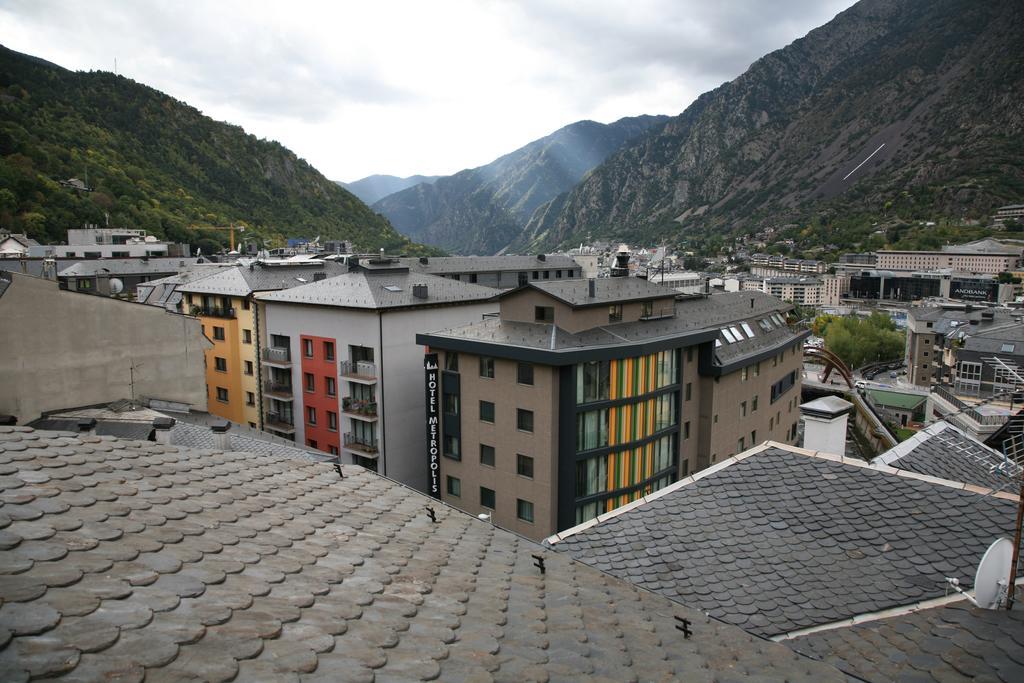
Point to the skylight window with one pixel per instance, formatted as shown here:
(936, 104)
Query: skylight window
(393, 288)
(747, 330)
(736, 333)
(728, 335)
(1006, 348)
(718, 342)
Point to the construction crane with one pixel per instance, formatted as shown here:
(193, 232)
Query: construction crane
(232, 228)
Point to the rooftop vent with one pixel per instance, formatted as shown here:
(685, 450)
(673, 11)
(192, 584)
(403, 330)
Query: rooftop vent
(419, 291)
(542, 257)
(319, 276)
(424, 260)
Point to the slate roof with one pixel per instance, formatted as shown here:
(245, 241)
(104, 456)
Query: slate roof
(692, 316)
(944, 451)
(949, 643)
(362, 289)
(243, 280)
(608, 290)
(776, 539)
(125, 560)
(438, 265)
(125, 266)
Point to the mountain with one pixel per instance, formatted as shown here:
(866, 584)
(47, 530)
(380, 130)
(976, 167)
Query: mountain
(893, 108)
(482, 210)
(156, 164)
(375, 187)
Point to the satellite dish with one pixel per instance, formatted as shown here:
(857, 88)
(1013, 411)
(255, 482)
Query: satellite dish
(116, 286)
(993, 577)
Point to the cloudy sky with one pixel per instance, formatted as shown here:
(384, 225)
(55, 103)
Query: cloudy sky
(414, 87)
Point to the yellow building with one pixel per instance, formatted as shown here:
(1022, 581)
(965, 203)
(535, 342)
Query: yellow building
(224, 304)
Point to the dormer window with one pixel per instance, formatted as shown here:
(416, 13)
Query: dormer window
(615, 313)
(647, 309)
(544, 314)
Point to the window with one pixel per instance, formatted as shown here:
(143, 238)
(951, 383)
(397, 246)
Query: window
(310, 381)
(332, 421)
(486, 411)
(686, 430)
(592, 381)
(524, 373)
(591, 429)
(451, 362)
(220, 364)
(472, 278)
(250, 398)
(487, 455)
(451, 447)
(544, 314)
(451, 404)
(739, 445)
(771, 423)
(743, 408)
(311, 443)
(454, 486)
(615, 313)
(753, 405)
(753, 437)
(689, 390)
(664, 411)
(331, 386)
(248, 367)
(558, 275)
(307, 348)
(647, 309)
(524, 510)
(757, 369)
(743, 375)
(486, 366)
(311, 415)
(524, 465)
(329, 350)
(487, 497)
(247, 336)
(218, 333)
(524, 420)
(333, 450)
(245, 304)
(222, 394)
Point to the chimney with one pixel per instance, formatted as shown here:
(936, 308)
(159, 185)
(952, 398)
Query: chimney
(825, 424)
(86, 424)
(221, 437)
(591, 287)
(162, 430)
(419, 291)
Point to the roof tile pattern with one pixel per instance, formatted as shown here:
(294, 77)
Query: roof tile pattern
(124, 560)
(954, 642)
(781, 541)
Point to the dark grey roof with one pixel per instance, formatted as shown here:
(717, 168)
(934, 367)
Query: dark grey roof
(125, 430)
(439, 265)
(199, 436)
(777, 541)
(361, 289)
(692, 317)
(243, 280)
(951, 643)
(608, 290)
(126, 266)
(944, 451)
(123, 560)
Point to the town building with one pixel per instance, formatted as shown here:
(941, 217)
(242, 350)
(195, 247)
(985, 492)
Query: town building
(773, 265)
(15, 245)
(1009, 212)
(584, 395)
(982, 256)
(890, 285)
(118, 276)
(95, 242)
(341, 367)
(223, 302)
(501, 272)
(61, 348)
(187, 564)
(824, 290)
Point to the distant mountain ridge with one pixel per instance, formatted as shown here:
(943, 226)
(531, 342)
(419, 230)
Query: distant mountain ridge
(483, 210)
(375, 187)
(156, 164)
(892, 106)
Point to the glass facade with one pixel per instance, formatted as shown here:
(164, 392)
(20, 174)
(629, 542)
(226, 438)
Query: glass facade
(639, 471)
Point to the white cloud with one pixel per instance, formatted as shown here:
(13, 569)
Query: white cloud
(414, 87)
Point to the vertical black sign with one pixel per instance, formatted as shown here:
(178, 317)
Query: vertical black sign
(433, 384)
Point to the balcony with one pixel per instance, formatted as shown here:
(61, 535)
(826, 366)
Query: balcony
(361, 446)
(214, 311)
(277, 356)
(279, 423)
(279, 390)
(361, 372)
(359, 410)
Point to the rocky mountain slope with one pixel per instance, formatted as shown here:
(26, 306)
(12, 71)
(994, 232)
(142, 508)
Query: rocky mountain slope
(909, 106)
(154, 163)
(375, 187)
(482, 210)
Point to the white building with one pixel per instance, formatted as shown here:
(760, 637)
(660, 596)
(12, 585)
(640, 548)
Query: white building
(341, 370)
(94, 242)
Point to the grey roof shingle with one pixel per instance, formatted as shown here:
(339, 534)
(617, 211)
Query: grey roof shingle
(132, 560)
(126, 266)
(362, 289)
(438, 265)
(944, 451)
(243, 280)
(950, 643)
(778, 540)
(608, 290)
(199, 436)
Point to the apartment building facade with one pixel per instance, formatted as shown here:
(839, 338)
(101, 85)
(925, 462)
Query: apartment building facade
(825, 290)
(343, 370)
(583, 396)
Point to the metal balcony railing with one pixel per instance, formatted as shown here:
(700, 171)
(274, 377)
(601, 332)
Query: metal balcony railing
(359, 407)
(367, 445)
(279, 421)
(360, 368)
(277, 354)
(214, 311)
(281, 388)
